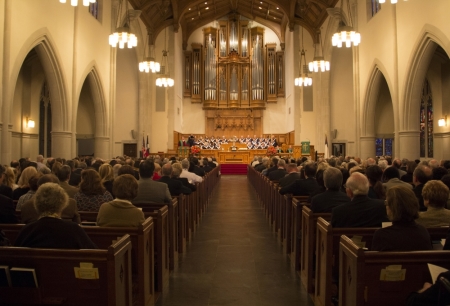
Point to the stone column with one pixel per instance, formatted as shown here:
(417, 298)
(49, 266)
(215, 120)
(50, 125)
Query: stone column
(62, 144)
(367, 147)
(409, 142)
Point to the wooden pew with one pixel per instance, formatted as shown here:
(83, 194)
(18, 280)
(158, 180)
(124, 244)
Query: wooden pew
(161, 221)
(173, 226)
(327, 254)
(296, 226)
(143, 263)
(142, 252)
(359, 274)
(57, 284)
(308, 246)
(88, 216)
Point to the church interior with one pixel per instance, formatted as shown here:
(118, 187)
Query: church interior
(233, 66)
(107, 78)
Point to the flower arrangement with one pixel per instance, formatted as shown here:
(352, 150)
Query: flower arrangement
(195, 149)
(271, 151)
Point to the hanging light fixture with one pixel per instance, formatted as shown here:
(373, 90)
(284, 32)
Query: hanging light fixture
(75, 2)
(346, 34)
(123, 35)
(164, 80)
(319, 61)
(384, 1)
(303, 79)
(148, 63)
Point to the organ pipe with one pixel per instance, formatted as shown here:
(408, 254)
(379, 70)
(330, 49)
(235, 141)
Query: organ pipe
(257, 69)
(210, 69)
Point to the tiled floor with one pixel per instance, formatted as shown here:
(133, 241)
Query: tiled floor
(234, 258)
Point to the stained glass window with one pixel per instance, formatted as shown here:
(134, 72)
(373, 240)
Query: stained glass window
(388, 147)
(379, 146)
(426, 121)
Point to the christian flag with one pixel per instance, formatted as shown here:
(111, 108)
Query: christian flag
(326, 147)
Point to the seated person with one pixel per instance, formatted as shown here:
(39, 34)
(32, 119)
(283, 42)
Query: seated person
(361, 211)
(435, 196)
(175, 187)
(50, 231)
(150, 190)
(92, 194)
(402, 208)
(30, 214)
(176, 172)
(121, 212)
(23, 183)
(332, 197)
(432, 294)
(303, 187)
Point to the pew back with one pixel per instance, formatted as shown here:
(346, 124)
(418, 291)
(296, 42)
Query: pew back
(56, 279)
(360, 274)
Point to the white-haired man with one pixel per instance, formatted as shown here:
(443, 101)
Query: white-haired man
(362, 211)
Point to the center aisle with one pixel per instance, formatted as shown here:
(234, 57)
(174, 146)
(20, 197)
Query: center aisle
(234, 259)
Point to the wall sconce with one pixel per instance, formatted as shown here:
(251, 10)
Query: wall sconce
(30, 123)
(442, 121)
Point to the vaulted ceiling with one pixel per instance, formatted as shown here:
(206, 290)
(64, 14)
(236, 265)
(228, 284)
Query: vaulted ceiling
(192, 14)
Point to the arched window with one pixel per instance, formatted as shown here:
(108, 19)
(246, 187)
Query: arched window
(426, 121)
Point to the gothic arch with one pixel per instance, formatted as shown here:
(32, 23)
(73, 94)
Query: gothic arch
(42, 42)
(427, 43)
(92, 76)
(371, 99)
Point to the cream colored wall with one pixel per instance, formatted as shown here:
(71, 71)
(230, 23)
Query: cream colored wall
(127, 100)
(384, 115)
(85, 114)
(76, 41)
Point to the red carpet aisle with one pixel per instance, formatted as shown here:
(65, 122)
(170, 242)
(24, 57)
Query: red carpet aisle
(234, 258)
(240, 169)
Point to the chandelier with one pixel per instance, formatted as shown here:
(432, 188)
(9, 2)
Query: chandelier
(75, 2)
(319, 62)
(148, 63)
(346, 34)
(123, 35)
(384, 1)
(302, 79)
(164, 80)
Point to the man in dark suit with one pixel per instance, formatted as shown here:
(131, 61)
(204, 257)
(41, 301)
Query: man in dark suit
(362, 211)
(196, 168)
(332, 197)
(175, 187)
(421, 175)
(278, 174)
(291, 176)
(176, 172)
(206, 167)
(303, 187)
(150, 190)
(273, 167)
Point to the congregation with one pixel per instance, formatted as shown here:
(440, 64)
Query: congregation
(402, 198)
(412, 195)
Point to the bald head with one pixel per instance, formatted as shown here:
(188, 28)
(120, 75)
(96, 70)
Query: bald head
(357, 184)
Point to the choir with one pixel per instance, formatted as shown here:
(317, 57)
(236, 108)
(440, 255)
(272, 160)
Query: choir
(252, 143)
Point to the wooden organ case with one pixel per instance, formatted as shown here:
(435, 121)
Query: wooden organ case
(233, 68)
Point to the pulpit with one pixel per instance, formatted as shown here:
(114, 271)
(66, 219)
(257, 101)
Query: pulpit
(183, 151)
